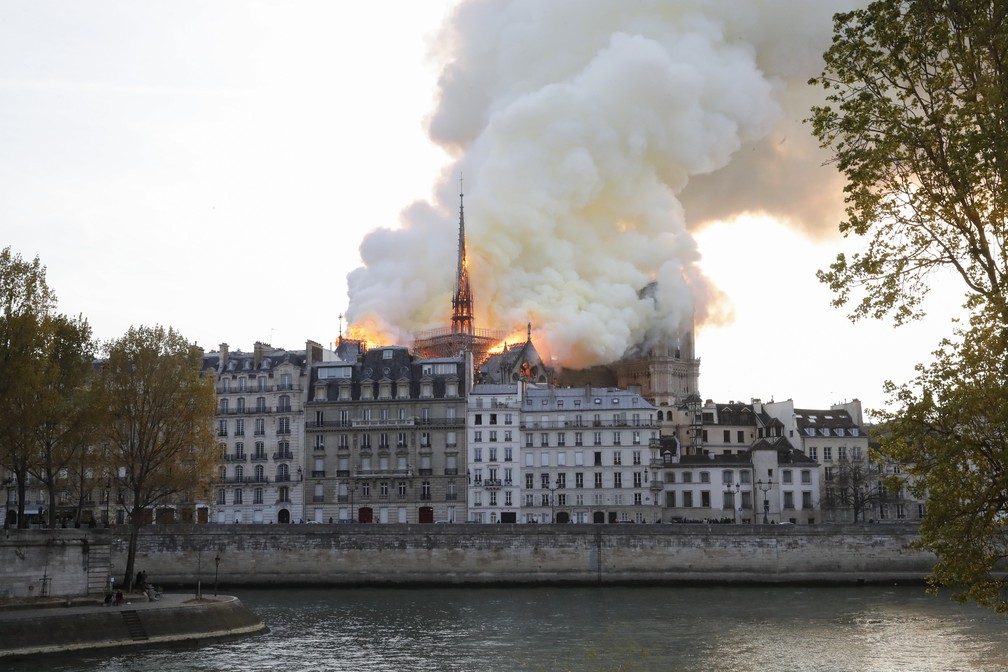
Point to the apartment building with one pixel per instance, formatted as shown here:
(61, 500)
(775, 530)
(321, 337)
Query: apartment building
(493, 470)
(587, 456)
(386, 437)
(260, 430)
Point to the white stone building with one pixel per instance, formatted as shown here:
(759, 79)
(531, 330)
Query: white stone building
(260, 430)
(587, 456)
(493, 467)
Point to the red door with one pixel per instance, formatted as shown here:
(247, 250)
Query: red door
(426, 514)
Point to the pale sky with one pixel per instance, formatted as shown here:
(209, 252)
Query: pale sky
(214, 166)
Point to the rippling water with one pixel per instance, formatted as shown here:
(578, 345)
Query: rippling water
(608, 628)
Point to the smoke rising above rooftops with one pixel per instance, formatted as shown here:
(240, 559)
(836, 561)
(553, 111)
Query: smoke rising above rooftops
(594, 137)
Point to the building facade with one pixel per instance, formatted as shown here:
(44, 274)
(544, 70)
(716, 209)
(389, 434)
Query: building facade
(260, 433)
(386, 438)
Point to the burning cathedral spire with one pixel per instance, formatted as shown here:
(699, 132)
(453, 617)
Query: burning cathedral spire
(462, 336)
(462, 301)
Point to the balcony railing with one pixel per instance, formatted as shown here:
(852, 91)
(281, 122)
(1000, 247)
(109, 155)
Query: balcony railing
(283, 456)
(235, 457)
(492, 483)
(451, 496)
(318, 473)
(451, 471)
(258, 457)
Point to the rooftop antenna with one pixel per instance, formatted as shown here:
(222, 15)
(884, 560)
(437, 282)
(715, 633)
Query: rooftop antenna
(341, 325)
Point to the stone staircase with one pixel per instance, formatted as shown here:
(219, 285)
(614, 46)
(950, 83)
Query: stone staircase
(133, 625)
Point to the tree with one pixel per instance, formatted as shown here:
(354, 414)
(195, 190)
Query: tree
(158, 428)
(917, 98)
(855, 487)
(951, 430)
(57, 413)
(26, 303)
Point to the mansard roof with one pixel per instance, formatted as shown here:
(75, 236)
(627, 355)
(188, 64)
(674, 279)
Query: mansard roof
(836, 422)
(546, 398)
(245, 362)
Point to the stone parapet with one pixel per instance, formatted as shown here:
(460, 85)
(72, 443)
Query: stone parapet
(493, 554)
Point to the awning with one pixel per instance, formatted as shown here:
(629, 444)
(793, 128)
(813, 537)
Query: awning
(29, 510)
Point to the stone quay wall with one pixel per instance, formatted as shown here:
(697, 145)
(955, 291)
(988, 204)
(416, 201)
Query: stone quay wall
(60, 562)
(274, 555)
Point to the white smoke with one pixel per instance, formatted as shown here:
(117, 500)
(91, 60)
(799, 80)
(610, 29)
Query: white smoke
(581, 128)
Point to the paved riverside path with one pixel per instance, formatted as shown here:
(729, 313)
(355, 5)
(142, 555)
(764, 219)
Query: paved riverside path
(89, 625)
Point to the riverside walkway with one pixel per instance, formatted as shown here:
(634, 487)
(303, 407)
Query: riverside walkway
(78, 625)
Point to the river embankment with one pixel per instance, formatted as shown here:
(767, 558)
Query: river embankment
(82, 627)
(272, 555)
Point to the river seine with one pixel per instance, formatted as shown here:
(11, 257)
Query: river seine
(605, 628)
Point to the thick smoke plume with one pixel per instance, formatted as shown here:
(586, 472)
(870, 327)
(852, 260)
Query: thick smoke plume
(593, 136)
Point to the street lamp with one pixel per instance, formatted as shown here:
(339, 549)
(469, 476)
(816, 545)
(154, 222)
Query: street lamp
(216, 573)
(552, 489)
(108, 496)
(733, 492)
(765, 488)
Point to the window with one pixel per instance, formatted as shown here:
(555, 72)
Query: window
(687, 499)
(687, 477)
(598, 480)
(788, 499)
(705, 477)
(617, 480)
(827, 454)
(493, 454)
(813, 452)
(257, 496)
(597, 437)
(477, 435)
(727, 436)
(841, 453)
(493, 435)
(578, 439)
(544, 479)
(806, 477)
(221, 497)
(727, 476)
(617, 458)
(260, 426)
(544, 439)
(806, 499)
(741, 436)
(786, 476)
(239, 427)
(705, 499)
(507, 452)
(529, 481)
(637, 479)
(477, 454)
(636, 457)
(579, 479)
(425, 490)
(828, 474)
(238, 496)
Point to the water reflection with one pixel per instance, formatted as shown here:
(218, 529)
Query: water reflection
(666, 628)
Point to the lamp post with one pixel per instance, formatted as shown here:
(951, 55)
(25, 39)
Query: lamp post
(216, 573)
(552, 489)
(353, 489)
(765, 487)
(108, 496)
(733, 491)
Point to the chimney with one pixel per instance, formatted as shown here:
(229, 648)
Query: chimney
(258, 350)
(223, 356)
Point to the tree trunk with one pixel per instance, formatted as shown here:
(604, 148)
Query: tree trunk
(131, 553)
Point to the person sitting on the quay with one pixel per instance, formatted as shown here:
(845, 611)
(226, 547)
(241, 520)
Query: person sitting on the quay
(141, 582)
(108, 599)
(118, 598)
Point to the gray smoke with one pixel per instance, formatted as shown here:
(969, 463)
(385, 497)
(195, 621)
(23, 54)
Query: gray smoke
(589, 134)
